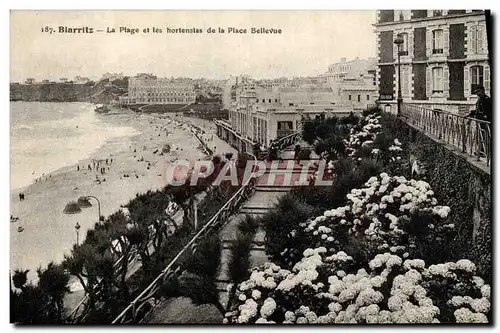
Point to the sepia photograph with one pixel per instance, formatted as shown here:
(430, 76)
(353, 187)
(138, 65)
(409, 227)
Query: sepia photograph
(240, 167)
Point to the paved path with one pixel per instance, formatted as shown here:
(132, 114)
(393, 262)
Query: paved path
(265, 198)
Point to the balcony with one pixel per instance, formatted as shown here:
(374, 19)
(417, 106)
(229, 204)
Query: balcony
(283, 133)
(437, 51)
(403, 53)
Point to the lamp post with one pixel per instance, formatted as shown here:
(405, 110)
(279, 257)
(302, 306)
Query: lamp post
(77, 228)
(73, 207)
(399, 41)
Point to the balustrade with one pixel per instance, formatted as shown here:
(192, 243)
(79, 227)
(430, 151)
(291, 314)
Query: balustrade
(472, 136)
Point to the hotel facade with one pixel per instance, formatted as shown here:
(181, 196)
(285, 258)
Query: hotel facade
(444, 55)
(148, 89)
(260, 115)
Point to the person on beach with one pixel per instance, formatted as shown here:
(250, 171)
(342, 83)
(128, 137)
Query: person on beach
(77, 168)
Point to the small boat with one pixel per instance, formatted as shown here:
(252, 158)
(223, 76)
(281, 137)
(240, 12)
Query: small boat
(20, 229)
(100, 108)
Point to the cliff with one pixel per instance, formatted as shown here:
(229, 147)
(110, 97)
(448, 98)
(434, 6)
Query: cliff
(100, 92)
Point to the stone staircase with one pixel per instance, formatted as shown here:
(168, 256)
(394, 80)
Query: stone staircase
(265, 198)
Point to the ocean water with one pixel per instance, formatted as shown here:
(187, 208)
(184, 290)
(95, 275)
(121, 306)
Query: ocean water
(45, 137)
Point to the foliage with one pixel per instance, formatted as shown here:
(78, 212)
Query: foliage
(286, 216)
(239, 262)
(39, 302)
(382, 255)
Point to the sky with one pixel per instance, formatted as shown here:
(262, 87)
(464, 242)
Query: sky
(309, 42)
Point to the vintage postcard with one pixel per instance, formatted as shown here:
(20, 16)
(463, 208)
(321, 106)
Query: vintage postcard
(251, 167)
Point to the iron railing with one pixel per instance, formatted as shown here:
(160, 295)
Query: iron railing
(471, 136)
(287, 141)
(130, 313)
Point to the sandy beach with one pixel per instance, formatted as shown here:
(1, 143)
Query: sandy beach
(49, 233)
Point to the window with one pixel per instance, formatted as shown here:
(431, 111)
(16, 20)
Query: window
(477, 77)
(359, 98)
(349, 97)
(476, 39)
(367, 97)
(269, 100)
(437, 80)
(437, 41)
(437, 13)
(404, 46)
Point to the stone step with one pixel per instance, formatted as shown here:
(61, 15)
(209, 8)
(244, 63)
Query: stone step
(273, 188)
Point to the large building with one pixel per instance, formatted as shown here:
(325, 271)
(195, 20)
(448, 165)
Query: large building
(148, 89)
(260, 115)
(444, 55)
(354, 82)
(348, 69)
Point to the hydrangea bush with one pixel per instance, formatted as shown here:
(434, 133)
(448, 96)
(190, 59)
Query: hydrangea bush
(328, 288)
(381, 258)
(362, 136)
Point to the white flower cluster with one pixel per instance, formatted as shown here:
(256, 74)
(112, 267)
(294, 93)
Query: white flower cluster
(363, 134)
(379, 213)
(389, 282)
(327, 285)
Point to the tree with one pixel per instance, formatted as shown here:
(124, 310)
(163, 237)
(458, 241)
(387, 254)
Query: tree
(93, 269)
(239, 263)
(198, 280)
(53, 281)
(20, 278)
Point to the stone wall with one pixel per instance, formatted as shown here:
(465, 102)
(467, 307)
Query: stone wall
(459, 183)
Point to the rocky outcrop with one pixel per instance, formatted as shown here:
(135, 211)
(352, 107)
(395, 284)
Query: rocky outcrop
(102, 92)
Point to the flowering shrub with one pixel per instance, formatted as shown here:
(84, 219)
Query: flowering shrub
(362, 136)
(380, 257)
(329, 288)
(388, 214)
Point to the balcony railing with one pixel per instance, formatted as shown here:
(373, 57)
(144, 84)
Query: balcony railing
(471, 136)
(282, 133)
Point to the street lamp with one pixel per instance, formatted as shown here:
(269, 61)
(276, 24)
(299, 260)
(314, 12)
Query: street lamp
(77, 228)
(399, 41)
(83, 202)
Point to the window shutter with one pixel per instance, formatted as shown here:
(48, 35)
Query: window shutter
(410, 43)
(446, 81)
(466, 81)
(428, 40)
(479, 36)
(487, 78)
(428, 82)
(446, 41)
(469, 41)
(474, 48)
(394, 46)
(485, 40)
